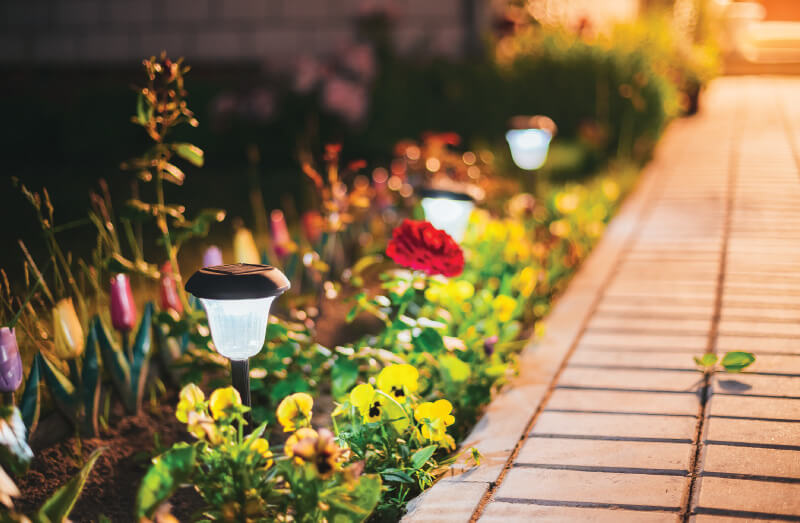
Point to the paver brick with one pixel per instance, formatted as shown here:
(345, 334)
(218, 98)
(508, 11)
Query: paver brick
(754, 407)
(752, 461)
(622, 322)
(756, 384)
(636, 379)
(645, 341)
(655, 360)
(499, 512)
(620, 454)
(644, 402)
(596, 487)
(615, 425)
(749, 496)
(756, 432)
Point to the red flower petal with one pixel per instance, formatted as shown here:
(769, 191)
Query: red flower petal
(419, 246)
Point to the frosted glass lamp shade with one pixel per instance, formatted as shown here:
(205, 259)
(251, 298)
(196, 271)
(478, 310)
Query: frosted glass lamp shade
(448, 211)
(529, 147)
(237, 299)
(238, 327)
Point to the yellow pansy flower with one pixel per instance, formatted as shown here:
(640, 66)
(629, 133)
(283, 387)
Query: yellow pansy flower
(433, 293)
(610, 189)
(295, 411)
(399, 381)
(526, 281)
(299, 435)
(68, 339)
(495, 231)
(363, 397)
(435, 418)
(319, 449)
(560, 228)
(373, 406)
(190, 398)
(222, 401)
(201, 426)
(261, 447)
(461, 290)
(594, 229)
(567, 202)
(504, 306)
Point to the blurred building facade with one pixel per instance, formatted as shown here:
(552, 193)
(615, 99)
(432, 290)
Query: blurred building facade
(274, 32)
(101, 32)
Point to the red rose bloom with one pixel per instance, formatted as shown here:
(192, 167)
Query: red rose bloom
(418, 245)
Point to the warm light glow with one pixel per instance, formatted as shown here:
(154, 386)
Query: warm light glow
(451, 216)
(529, 147)
(238, 327)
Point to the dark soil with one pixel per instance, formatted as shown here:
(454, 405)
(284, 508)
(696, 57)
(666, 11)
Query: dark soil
(112, 485)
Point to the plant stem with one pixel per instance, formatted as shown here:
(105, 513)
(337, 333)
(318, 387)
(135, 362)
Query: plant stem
(161, 220)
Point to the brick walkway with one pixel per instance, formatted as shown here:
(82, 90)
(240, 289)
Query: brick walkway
(609, 420)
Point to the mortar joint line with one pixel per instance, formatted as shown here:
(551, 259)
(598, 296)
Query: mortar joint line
(696, 458)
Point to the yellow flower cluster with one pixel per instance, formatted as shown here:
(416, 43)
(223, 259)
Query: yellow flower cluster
(392, 402)
(454, 290)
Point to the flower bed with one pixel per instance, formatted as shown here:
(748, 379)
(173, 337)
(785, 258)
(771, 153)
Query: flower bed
(439, 325)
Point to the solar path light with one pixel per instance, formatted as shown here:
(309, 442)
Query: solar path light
(529, 140)
(447, 210)
(237, 299)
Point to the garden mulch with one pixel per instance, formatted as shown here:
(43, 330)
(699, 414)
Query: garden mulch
(609, 420)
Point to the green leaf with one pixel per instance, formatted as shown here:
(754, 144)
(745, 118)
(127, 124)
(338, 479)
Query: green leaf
(190, 153)
(420, 457)
(141, 111)
(354, 501)
(455, 369)
(343, 376)
(737, 361)
(275, 330)
(61, 388)
(396, 476)
(707, 360)
(58, 507)
(116, 363)
(90, 384)
(294, 382)
(141, 356)
(428, 340)
(31, 398)
(166, 474)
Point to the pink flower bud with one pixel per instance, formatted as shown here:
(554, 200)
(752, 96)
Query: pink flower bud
(169, 291)
(123, 308)
(281, 240)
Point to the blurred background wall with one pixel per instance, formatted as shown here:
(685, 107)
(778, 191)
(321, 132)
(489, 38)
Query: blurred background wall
(274, 32)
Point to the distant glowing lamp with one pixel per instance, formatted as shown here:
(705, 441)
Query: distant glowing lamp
(447, 210)
(237, 299)
(529, 140)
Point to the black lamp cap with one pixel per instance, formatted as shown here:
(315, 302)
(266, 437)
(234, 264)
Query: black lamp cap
(237, 281)
(449, 195)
